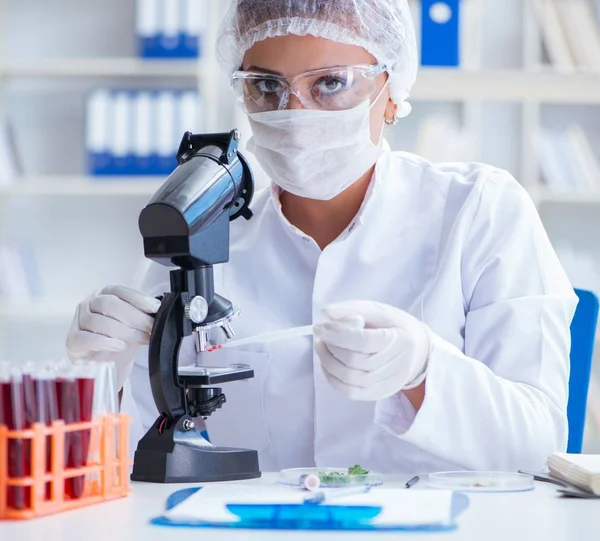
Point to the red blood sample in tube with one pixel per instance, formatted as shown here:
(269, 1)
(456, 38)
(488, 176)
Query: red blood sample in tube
(46, 412)
(12, 414)
(69, 410)
(86, 401)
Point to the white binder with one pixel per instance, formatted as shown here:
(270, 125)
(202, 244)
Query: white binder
(144, 104)
(122, 132)
(188, 113)
(147, 18)
(170, 23)
(166, 138)
(98, 122)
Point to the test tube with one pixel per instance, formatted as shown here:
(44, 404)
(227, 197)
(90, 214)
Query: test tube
(106, 401)
(47, 409)
(85, 373)
(5, 413)
(12, 411)
(27, 370)
(31, 405)
(67, 390)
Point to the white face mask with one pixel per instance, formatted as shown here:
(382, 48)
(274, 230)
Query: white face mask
(312, 153)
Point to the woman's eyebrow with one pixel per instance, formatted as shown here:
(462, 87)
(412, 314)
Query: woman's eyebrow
(263, 70)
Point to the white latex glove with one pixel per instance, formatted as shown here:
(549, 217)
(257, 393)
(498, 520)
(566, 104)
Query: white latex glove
(370, 351)
(111, 325)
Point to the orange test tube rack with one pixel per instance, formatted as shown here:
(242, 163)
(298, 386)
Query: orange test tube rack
(106, 472)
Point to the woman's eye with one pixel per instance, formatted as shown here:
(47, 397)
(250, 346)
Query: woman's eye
(330, 85)
(268, 86)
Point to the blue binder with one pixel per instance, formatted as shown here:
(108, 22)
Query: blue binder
(306, 517)
(156, 40)
(440, 33)
(125, 138)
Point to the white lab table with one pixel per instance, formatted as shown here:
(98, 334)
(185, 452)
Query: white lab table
(535, 515)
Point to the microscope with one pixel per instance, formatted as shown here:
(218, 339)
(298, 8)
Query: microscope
(186, 226)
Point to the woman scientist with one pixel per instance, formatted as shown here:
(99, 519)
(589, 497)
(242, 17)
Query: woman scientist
(442, 313)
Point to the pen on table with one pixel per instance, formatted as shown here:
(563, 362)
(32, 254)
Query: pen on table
(326, 497)
(412, 482)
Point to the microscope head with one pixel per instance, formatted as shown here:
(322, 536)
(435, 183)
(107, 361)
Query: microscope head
(186, 223)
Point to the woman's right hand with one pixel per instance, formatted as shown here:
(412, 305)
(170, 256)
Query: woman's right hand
(111, 325)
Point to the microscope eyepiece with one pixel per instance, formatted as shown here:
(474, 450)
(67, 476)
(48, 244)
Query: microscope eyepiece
(187, 221)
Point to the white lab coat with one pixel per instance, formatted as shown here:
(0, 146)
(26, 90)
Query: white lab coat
(459, 246)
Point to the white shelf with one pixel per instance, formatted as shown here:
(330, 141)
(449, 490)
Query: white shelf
(432, 84)
(38, 311)
(101, 67)
(544, 196)
(83, 186)
(507, 85)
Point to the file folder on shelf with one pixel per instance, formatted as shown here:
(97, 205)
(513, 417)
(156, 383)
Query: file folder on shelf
(170, 28)
(137, 132)
(440, 33)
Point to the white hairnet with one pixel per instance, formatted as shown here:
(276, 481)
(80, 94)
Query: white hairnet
(384, 28)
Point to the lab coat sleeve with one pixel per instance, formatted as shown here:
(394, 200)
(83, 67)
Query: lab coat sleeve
(501, 403)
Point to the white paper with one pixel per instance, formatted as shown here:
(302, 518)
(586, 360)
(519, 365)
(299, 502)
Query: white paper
(209, 503)
(581, 470)
(590, 463)
(406, 507)
(400, 507)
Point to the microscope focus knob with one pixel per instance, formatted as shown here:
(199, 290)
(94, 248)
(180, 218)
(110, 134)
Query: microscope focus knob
(196, 310)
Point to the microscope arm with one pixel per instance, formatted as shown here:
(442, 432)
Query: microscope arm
(165, 342)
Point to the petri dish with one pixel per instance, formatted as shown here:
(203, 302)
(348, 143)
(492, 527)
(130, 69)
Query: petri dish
(481, 481)
(328, 477)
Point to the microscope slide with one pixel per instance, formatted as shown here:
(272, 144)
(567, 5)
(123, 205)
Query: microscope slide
(286, 334)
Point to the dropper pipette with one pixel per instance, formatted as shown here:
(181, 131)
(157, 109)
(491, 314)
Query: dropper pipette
(264, 338)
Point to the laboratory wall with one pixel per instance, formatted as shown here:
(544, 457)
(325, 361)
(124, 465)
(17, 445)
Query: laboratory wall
(68, 219)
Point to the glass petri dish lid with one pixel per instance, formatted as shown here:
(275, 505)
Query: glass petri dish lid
(481, 481)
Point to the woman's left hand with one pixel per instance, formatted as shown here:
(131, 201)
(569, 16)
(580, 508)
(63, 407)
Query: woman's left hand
(370, 351)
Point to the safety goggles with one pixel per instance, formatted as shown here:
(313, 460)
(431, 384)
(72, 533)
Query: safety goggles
(329, 89)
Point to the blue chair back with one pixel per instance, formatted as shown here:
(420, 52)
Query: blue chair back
(583, 338)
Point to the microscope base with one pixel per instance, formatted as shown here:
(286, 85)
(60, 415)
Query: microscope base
(178, 456)
(190, 465)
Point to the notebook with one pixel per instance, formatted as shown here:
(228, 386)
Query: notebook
(582, 471)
